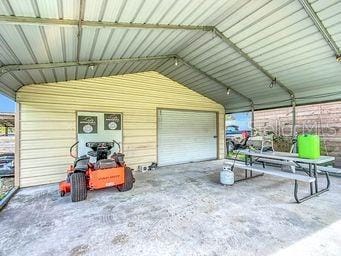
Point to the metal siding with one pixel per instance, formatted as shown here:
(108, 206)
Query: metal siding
(186, 136)
(48, 118)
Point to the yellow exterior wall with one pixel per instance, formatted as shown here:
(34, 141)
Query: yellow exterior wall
(48, 119)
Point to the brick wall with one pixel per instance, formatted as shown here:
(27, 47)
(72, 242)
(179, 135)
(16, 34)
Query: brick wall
(322, 119)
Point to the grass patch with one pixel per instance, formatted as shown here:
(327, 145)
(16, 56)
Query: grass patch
(236, 155)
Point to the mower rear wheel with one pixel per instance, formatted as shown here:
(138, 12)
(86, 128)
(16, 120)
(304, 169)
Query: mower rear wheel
(78, 187)
(128, 180)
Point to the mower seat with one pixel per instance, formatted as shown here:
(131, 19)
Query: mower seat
(105, 163)
(81, 163)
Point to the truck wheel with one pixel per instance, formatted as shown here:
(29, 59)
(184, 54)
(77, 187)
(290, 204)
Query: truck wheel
(78, 187)
(128, 180)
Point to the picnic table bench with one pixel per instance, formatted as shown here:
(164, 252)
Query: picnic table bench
(256, 161)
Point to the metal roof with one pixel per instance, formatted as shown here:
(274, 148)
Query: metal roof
(247, 46)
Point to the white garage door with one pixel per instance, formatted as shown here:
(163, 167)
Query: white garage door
(186, 136)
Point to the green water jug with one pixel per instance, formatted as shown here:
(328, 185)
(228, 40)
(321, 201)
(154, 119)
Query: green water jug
(308, 146)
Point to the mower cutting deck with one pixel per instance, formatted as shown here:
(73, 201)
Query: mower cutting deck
(109, 170)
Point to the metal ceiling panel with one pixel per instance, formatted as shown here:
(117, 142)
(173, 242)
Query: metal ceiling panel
(330, 15)
(125, 43)
(5, 8)
(271, 39)
(37, 44)
(226, 69)
(59, 9)
(10, 82)
(46, 9)
(203, 84)
(187, 12)
(14, 46)
(24, 77)
(22, 8)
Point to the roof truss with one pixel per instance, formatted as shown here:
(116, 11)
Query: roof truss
(253, 61)
(22, 67)
(100, 24)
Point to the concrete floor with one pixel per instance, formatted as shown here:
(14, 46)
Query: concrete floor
(178, 210)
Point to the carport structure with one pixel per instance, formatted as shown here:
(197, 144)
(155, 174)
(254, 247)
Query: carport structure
(243, 54)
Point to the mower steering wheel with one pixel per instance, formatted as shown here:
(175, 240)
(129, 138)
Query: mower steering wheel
(71, 150)
(118, 144)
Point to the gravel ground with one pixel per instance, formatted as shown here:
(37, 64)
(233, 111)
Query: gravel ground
(6, 184)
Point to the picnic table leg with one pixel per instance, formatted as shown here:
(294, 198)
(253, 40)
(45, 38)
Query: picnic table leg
(328, 181)
(300, 200)
(245, 171)
(315, 175)
(311, 184)
(248, 159)
(296, 191)
(250, 165)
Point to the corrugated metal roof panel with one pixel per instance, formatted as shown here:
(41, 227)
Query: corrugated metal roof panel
(330, 15)
(5, 9)
(22, 8)
(278, 35)
(9, 81)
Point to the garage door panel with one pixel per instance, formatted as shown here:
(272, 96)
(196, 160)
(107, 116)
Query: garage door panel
(186, 136)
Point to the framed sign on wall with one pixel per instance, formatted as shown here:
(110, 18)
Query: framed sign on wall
(98, 127)
(112, 121)
(87, 124)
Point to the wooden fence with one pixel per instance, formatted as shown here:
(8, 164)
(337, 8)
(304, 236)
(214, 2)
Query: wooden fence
(322, 119)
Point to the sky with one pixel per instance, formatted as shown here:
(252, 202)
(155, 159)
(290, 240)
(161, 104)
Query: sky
(243, 120)
(6, 104)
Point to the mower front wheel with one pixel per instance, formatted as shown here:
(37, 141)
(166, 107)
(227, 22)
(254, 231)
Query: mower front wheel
(78, 187)
(128, 180)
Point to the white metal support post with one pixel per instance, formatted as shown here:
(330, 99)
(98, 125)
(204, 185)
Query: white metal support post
(252, 119)
(293, 102)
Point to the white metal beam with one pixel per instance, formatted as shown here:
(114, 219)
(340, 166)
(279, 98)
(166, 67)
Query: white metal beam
(81, 23)
(319, 25)
(214, 79)
(293, 118)
(252, 62)
(79, 26)
(99, 24)
(20, 67)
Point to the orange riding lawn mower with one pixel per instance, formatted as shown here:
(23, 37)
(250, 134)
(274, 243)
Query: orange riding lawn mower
(109, 170)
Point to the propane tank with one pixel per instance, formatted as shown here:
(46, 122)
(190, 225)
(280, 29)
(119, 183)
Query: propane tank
(227, 175)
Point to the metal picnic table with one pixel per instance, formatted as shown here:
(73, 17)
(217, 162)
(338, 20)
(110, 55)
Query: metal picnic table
(308, 166)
